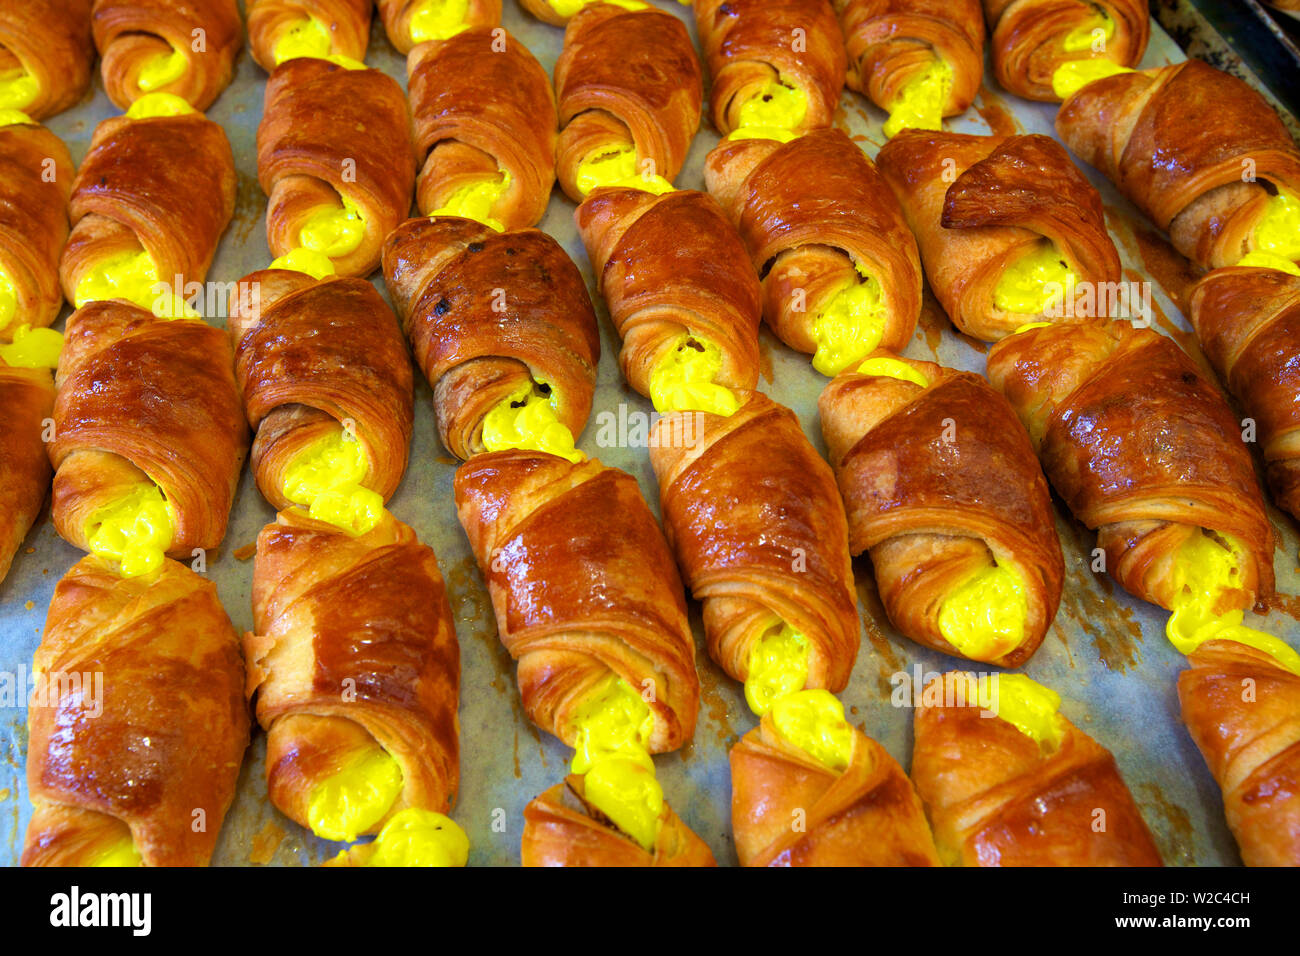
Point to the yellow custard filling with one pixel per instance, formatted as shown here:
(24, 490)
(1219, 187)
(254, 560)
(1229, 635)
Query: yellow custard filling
(920, 104)
(849, 326)
(414, 837)
(155, 105)
(120, 853)
(308, 262)
(356, 796)
(326, 477)
(1278, 231)
(1081, 37)
(306, 37)
(617, 166)
(984, 617)
(334, 231)
(777, 667)
(1027, 705)
(683, 381)
(135, 531)
(813, 720)
(158, 71)
(32, 348)
(528, 420)
(1262, 260)
(8, 300)
(1074, 75)
(438, 19)
(132, 276)
(773, 112)
(893, 368)
(18, 89)
(475, 200)
(1034, 282)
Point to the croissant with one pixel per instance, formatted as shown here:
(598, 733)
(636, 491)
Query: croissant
(162, 187)
(991, 214)
(910, 55)
(353, 646)
(1142, 449)
(825, 243)
(491, 315)
(134, 756)
(485, 126)
(280, 30)
(334, 142)
(996, 796)
(774, 64)
(145, 402)
(673, 272)
(312, 357)
(1248, 323)
(583, 587)
(941, 485)
(1033, 38)
(1243, 711)
(787, 809)
(629, 88)
(27, 397)
(45, 55)
(562, 829)
(159, 46)
(35, 182)
(1237, 179)
(411, 22)
(753, 515)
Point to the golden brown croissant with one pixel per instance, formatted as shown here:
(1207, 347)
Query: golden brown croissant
(561, 828)
(997, 796)
(1248, 323)
(820, 242)
(160, 186)
(786, 53)
(491, 315)
(1142, 449)
(309, 168)
(313, 357)
(27, 397)
(36, 175)
(1243, 710)
(159, 46)
(787, 809)
(674, 274)
(583, 586)
(353, 639)
(134, 756)
(628, 85)
(1237, 166)
(894, 45)
(146, 401)
(45, 55)
(941, 485)
(484, 123)
(754, 517)
(280, 30)
(411, 22)
(983, 207)
(1033, 38)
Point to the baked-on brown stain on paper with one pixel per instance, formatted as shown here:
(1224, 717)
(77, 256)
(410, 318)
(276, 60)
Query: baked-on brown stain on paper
(1173, 830)
(266, 842)
(994, 113)
(715, 700)
(889, 661)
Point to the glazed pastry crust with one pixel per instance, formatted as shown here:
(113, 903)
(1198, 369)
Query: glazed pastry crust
(27, 397)
(397, 14)
(173, 727)
(347, 22)
(50, 40)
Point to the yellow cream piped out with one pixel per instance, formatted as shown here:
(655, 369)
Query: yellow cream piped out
(1032, 283)
(18, 88)
(893, 368)
(308, 262)
(849, 326)
(1257, 260)
(32, 348)
(336, 231)
(1082, 37)
(326, 476)
(1278, 232)
(921, 102)
(132, 276)
(528, 420)
(813, 720)
(627, 792)
(1031, 325)
(475, 200)
(135, 531)
(14, 117)
(1074, 75)
(307, 37)
(567, 8)
(155, 105)
(776, 106)
(616, 166)
(984, 617)
(161, 70)
(1027, 705)
(414, 837)
(438, 20)
(119, 853)
(763, 132)
(683, 381)
(8, 300)
(777, 667)
(356, 797)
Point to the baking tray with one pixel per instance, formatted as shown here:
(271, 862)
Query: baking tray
(1105, 653)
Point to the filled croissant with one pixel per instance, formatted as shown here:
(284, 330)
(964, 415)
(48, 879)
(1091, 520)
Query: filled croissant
(1243, 711)
(335, 156)
(411, 22)
(1007, 780)
(840, 271)
(484, 127)
(754, 517)
(149, 205)
(1145, 451)
(158, 46)
(1235, 188)
(36, 175)
(27, 397)
(503, 328)
(280, 30)
(1010, 231)
(134, 750)
(326, 384)
(149, 435)
(941, 485)
(918, 60)
(680, 291)
(790, 809)
(777, 67)
(355, 667)
(629, 91)
(45, 55)
(1248, 323)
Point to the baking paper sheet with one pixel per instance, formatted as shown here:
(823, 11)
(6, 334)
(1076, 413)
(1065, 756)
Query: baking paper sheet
(1105, 654)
